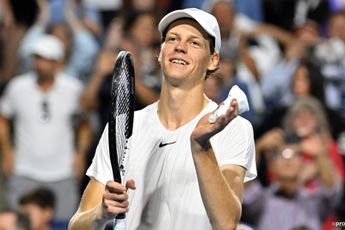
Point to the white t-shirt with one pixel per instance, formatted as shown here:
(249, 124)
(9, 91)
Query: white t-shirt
(160, 161)
(44, 132)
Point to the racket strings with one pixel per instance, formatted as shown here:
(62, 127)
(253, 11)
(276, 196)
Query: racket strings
(121, 119)
(122, 114)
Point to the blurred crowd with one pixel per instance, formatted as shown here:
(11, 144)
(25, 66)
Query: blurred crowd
(56, 63)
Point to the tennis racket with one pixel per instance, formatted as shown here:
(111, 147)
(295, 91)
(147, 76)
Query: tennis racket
(122, 113)
(234, 93)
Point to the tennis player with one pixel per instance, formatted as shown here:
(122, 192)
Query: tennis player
(182, 172)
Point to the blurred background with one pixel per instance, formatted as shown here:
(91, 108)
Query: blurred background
(56, 62)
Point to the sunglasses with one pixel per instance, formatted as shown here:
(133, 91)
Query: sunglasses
(45, 112)
(287, 153)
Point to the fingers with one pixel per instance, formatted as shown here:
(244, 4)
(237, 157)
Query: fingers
(115, 197)
(206, 129)
(113, 187)
(224, 109)
(130, 184)
(230, 114)
(110, 210)
(115, 204)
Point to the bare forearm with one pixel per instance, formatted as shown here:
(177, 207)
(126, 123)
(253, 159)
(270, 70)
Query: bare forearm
(281, 35)
(84, 136)
(220, 200)
(44, 13)
(88, 220)
(326, 171)
(249, 63)
(71, 17)
(89, 99)
(5, 141)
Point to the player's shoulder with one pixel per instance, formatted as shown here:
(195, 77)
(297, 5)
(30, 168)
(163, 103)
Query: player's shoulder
(240, 121)
(147, 111)
(145, 117)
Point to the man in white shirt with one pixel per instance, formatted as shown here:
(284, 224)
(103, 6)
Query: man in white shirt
(44, 105)
(182, 171)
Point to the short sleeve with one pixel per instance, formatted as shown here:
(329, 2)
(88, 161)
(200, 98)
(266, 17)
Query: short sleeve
(7, 103)
(100, 167)
(235, 145)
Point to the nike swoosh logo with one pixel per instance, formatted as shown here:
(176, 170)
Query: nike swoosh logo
(165, 144)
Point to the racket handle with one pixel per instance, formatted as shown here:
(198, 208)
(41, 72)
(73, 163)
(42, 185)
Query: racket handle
(121, 216)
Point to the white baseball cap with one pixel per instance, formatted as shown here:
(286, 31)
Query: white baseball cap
(49, 47)
(207, 21)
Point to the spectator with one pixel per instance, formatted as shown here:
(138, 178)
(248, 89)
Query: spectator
(87, 13)
(287, 204)
(113, 35)
(97, 101)
(142, 40)
(276, 83)
(45, 151)
(136, 33)
(331, 53)
(306, 122)
(17, 17)
(96, 96)
(306, 118)
(254, 55)
(80, 45)
(14, 220)
(39, 204)
(306, 80)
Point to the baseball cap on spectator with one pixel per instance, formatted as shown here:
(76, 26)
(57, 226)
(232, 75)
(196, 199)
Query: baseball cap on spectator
(207, 21)
(49, 47)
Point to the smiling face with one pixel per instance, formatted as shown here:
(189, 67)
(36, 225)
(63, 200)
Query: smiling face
(185, 53)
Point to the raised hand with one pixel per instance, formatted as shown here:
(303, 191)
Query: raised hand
(105, 63)
(314, 145)
(43, 12)
(204, 130)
